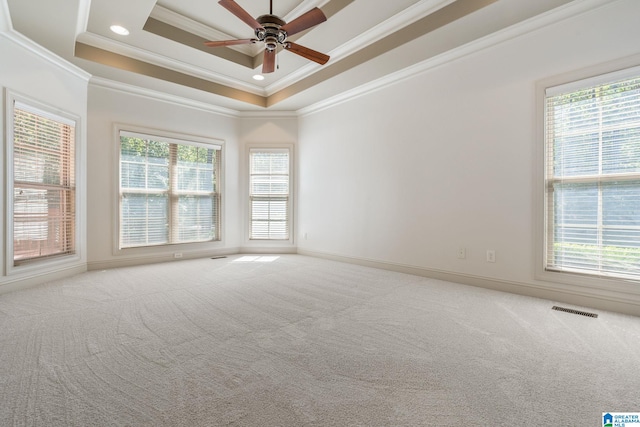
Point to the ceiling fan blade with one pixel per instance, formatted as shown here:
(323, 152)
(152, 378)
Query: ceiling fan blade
(221, 43)
(304, 21)
(237, 10)
(305, 52)
(269, 61)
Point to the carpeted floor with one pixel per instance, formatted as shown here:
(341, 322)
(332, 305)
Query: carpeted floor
(298, 341)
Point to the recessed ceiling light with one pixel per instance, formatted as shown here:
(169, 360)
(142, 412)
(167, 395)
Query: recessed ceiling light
(258, 77)
(118, 29)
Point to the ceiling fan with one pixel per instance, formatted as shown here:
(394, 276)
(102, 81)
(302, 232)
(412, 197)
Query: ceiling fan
(273, 31)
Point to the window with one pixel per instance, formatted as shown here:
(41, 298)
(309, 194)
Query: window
(592, 182)
(169, 191)
(44, 188)
(269, 193)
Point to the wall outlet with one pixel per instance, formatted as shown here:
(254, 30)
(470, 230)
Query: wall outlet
(177, 255)
(462, 252)
(491, 255)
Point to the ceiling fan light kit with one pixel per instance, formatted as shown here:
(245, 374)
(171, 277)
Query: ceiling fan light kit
(273, 31)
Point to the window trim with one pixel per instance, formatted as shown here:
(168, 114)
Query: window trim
(247, 191)
(173, 137)
(575, 79)
(49, 111)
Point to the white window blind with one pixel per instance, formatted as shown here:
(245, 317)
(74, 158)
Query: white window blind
(593, 179)
(169, 191)
(269, 194)
(44, 214)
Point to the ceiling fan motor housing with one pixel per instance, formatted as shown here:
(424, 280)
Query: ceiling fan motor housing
(271, 33)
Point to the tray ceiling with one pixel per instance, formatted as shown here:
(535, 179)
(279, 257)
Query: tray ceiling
(165, 51)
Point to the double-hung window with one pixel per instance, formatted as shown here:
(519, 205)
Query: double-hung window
(269, 193)
(592, 182)
(169, 190)
(43, 184)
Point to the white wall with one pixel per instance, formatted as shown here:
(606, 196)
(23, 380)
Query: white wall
(29, 71)
(406, 175)
(110, 106)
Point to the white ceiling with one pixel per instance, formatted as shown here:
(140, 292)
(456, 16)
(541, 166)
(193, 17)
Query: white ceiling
(366, 39)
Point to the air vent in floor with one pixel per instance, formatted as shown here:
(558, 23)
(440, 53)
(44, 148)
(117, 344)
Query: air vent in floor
(572, 311)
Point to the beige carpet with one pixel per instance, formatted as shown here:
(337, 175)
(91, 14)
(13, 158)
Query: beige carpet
(298, 341)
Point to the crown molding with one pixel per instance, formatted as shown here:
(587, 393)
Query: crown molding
(268, 115)
(45, 54)
(551, 17)
(180, 101)
(303, 7)
(177, 20)
(400, 20)
(84, 7)
(123, 49)
(155, 95)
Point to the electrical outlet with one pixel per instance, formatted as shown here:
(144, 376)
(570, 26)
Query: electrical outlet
(462, 252)
(491, 255)
(177, 255)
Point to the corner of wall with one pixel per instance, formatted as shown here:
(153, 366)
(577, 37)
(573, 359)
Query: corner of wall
(5, 17)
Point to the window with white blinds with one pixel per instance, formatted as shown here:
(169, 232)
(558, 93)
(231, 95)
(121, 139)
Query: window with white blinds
(44, 188)
(592, 163)
(269, 193)
(169, 191)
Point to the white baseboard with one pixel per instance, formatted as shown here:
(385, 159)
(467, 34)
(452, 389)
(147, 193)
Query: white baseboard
(268, 250)
(131, 261)
(154, 259)
(582, 299)
(21, 283)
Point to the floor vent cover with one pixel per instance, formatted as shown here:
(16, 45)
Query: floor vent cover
(569, 310)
